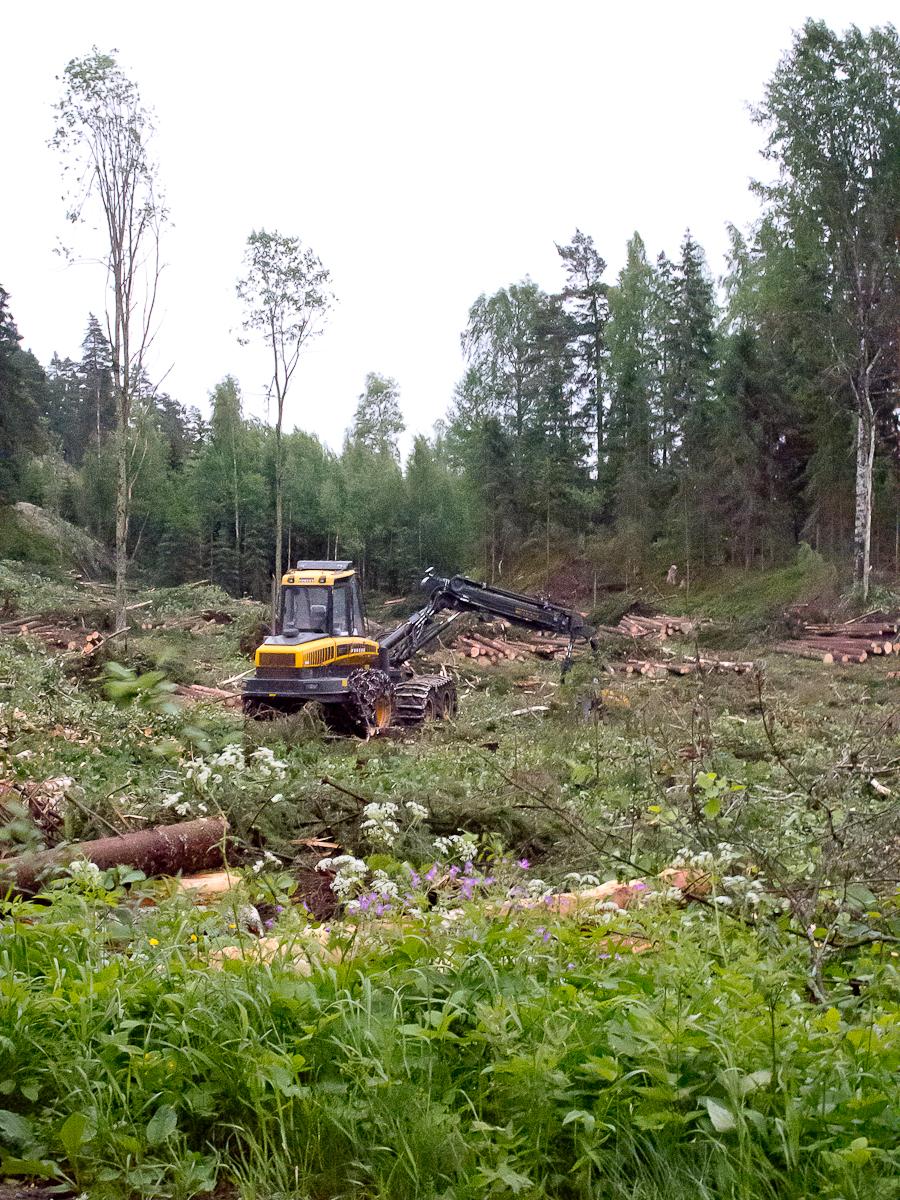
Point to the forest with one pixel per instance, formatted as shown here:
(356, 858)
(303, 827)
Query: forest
(659, 416)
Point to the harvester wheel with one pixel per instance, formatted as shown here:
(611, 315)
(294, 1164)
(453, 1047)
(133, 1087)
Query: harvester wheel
(371, 702)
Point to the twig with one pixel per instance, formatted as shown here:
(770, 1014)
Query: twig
(338, 787)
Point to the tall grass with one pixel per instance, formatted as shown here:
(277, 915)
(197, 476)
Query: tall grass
(477, 1059)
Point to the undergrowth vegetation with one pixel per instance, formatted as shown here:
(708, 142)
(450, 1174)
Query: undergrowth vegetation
(442, 1024)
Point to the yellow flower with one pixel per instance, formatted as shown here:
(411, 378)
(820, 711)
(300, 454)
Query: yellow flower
(232, 925)
(154, 941)
(193, 937)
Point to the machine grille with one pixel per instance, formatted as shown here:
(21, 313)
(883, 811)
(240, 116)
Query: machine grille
(316, 658)
(268, 659)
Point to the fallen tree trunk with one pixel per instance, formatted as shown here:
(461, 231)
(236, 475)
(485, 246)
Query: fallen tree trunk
(165, 850)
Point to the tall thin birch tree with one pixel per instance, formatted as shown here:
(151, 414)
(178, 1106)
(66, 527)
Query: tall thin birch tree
(104, 136)
(286, 293)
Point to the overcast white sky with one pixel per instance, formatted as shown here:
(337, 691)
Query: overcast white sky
(426, 151)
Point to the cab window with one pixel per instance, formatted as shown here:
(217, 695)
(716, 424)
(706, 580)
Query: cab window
(342, 617)
(304, 610)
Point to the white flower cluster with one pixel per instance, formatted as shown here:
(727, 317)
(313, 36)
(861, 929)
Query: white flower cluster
(86, 873)
(182, 807)
(205, 773)
(268, 857)
(576, 880)
(459, 846)
(417, 812)
(383, 887)
(735, 889)
(537, 887)
(705, 860)
(743, 890)
(265, 764)
(349, 872)
(380, 822)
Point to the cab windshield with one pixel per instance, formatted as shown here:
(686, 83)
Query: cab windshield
(304, 610)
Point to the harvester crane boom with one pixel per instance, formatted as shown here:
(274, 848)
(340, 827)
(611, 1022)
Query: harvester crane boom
(461, 594)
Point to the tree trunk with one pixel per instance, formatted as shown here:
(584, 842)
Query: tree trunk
(865, 457)
(237, 516)
(166, 850)
(279, 485)
(121, 525)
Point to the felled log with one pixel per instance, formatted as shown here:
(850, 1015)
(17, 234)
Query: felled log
(213, 695)
(164, 850)
(825, 652)
(843, 649)
(873, 629)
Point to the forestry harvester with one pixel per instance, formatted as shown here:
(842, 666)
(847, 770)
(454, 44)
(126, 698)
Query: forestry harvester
(320, 650)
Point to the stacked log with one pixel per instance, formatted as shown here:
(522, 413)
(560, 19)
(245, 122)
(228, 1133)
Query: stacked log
(659, 627)
(846, 641)
(489, 650)
(689, 666)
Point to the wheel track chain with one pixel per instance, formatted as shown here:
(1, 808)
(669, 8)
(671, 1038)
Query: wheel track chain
(412, 697)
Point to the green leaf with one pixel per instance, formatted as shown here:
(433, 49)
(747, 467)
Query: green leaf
(578, 1114)
(28, 1166)
(723, 1118)
(77, 1129)
(749, 1083)
(712, 807)
(15, 1128)
(162, 1125)
(513, 1180)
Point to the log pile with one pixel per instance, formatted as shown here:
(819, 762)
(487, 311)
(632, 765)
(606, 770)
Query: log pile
(847, 641)
(54, 635)
(688, 666)
(657, 628)
(496, 648)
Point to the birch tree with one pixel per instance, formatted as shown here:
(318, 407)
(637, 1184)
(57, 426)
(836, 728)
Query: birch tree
(104, 137)
(831, 112)
(286, 293)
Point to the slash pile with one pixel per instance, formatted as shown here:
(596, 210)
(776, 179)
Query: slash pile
(848, 641)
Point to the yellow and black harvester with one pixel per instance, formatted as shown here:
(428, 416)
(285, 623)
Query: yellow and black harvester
(320, 649)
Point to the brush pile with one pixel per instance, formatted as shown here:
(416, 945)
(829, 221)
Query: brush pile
(848, 641)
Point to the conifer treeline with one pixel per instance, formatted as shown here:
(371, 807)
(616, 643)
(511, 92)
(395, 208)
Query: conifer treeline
(659, 416)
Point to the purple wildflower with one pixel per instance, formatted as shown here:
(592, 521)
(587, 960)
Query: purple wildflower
(454, 871)
(268, 924)
(432, 874)
(523, 864)
(639, 887)
(279, 908)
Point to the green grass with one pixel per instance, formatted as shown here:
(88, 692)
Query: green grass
(476, 1060)
(753, 1051)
